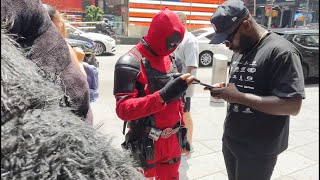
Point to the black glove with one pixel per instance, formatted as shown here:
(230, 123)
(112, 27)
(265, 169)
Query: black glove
(173, 89)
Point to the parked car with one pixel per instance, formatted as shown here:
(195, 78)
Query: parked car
(86, 45)
(104, 43)
(206, 50)
(307, 42)
(313, 25)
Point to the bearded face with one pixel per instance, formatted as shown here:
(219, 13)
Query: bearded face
(245, 43)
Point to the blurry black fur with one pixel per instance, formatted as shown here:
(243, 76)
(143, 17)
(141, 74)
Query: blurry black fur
(42, 140)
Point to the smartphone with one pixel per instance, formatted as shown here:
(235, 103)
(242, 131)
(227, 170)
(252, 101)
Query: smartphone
(203, 84)
(207, 85)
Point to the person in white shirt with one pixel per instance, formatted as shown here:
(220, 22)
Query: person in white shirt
(186, 57)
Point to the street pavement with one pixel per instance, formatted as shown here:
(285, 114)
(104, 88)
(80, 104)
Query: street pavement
(299, 162)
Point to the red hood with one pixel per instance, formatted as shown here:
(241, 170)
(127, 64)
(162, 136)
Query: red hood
(163, 25)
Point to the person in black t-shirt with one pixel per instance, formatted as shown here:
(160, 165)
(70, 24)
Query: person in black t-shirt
(265, 88)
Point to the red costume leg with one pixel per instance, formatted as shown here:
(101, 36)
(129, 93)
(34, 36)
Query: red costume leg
(165, 150)
(168, 171)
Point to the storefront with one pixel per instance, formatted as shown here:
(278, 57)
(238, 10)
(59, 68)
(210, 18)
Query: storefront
(290, 13)
(132, 17)
(116, 12)
(141, 13)
(72, 10)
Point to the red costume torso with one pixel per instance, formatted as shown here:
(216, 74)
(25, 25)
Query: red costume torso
(166, 114)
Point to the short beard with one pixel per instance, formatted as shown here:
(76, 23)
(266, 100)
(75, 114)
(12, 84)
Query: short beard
(246, 43)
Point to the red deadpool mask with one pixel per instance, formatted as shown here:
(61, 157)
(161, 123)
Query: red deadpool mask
(165, 33)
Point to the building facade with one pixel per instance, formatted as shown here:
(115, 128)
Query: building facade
(132, 17)
(141, 13)
(290, 13)
(73, 10)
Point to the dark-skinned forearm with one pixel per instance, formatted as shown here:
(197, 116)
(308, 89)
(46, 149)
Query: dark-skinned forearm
(272, 104)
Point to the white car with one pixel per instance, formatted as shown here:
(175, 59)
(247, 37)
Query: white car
(206, 50)
(104, 43)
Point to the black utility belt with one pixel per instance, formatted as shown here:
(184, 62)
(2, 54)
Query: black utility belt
(155, 133)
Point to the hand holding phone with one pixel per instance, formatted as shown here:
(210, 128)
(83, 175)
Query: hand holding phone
(203, 84)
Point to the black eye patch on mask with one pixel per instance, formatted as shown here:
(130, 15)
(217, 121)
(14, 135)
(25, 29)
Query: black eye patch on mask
(173, 41)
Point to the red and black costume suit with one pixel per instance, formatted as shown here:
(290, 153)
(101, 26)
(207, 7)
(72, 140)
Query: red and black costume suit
(149, 98)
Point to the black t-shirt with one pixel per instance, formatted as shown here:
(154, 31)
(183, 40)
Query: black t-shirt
(273, 68)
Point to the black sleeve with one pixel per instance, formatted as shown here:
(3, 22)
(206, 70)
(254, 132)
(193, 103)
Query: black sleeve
(287, 75)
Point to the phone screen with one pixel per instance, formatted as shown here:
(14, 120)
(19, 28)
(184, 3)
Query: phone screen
(203, 84)
(207, 85)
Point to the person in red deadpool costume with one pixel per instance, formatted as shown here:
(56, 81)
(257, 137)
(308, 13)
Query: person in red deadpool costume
(148, 92)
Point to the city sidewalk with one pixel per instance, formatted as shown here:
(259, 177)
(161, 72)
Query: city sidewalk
(299, 162)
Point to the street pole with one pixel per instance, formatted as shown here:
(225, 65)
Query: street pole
(104, 6)
(270, 15)
(281, 17)
(254, 8)
(306, 15)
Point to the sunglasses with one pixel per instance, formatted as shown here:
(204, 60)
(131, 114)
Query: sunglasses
(229, 39)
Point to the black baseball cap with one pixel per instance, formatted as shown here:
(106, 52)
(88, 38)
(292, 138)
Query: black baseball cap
(227, 18)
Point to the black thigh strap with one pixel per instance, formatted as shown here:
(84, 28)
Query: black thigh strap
(172, 161)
